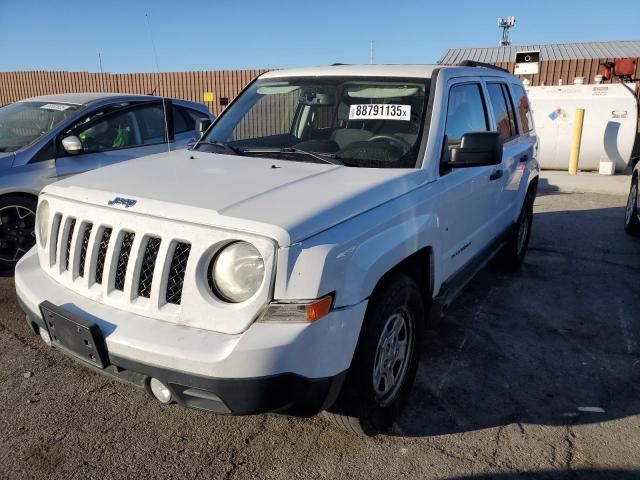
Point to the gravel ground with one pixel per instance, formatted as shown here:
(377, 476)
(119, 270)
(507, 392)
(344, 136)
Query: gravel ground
(499, 392)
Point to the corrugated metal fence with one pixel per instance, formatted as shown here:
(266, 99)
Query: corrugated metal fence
(186, 85)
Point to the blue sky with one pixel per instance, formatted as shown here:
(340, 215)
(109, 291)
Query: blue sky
(222, 34)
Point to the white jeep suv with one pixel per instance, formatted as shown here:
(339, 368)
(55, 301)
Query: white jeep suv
(288, 262)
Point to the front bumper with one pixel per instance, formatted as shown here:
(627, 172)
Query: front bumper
(290, 368)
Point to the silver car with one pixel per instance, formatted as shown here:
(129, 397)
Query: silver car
(44, 139)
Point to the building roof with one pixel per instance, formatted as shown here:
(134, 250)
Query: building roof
(560, 51)
(82, 98)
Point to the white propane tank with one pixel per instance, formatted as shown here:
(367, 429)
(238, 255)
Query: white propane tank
(610, 124)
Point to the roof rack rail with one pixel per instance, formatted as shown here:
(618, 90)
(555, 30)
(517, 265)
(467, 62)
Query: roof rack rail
(473, 63)
(338, 64)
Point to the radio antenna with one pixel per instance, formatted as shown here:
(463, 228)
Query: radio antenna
(164, 103)
(101, 72)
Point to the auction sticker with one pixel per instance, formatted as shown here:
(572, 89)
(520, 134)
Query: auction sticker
(381, 111)
(55, 106)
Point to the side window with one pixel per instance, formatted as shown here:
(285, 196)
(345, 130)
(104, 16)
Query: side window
(502, 109)
(184, 119)
(113, 132)
(522, 105)
(151, 121)
(466, 112)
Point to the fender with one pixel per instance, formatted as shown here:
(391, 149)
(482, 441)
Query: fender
(351, 258)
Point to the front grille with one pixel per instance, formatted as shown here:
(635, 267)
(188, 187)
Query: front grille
(102, 254)
(105, 256)
(177, 270)
(148, 266)
(72, 226)
(83, 249)
(123, 260)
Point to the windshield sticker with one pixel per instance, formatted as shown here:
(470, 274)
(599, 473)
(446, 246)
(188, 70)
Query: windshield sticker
(380, 112)
(55, 106)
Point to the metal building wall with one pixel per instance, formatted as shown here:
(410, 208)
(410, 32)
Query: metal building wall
(185, 85)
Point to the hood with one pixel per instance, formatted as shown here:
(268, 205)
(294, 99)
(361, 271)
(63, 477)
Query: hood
(6, 160)
(285, 200)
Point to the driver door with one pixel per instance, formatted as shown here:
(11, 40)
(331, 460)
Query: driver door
(466, 212)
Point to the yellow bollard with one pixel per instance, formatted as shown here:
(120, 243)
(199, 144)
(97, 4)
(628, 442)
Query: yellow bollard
(574, 154)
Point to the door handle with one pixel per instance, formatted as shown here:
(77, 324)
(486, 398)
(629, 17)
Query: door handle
(496, 175)
(524, 158)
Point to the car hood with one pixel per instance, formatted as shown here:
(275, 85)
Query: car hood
(6, 159)
(285, 200)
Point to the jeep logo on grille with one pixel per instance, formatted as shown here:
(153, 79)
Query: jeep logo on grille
(125, 202)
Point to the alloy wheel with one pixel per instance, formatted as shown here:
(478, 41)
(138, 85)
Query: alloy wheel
(392, 356)
(17, 232)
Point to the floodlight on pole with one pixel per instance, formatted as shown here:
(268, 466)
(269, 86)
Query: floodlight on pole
(505, 24)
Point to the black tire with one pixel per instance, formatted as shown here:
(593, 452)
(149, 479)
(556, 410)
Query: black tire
(361, 408)
(17, 228)
(631, 222)
(511, 257)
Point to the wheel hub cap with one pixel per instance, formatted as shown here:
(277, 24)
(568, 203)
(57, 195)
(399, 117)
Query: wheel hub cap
(391, 361)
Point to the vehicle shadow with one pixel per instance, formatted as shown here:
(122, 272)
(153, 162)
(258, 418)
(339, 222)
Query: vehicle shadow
(557, 343)
(586, 474)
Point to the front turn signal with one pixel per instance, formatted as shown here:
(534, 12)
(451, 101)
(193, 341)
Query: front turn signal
(297, 312)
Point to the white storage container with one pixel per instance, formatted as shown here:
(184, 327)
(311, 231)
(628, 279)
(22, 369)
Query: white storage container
(610, 124)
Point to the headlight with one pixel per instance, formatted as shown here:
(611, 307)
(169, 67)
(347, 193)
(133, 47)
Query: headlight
(43, 222)
(237, 272)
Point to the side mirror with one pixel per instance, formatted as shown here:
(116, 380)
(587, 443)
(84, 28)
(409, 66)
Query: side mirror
(202, 124)
(72, 145)
(475, 150)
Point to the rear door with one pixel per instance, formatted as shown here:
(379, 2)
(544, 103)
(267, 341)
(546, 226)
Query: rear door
(503, 120)
(466, 212)
(111, 135)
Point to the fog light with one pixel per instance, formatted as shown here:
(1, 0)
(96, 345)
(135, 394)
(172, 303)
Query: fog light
(160, 391)
(44, 335)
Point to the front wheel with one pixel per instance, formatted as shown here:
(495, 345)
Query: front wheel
(17, 228)
(631, 222)
(385, 361)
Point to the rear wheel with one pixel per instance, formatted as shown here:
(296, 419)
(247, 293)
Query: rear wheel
(631, 222)
(17, 228)
(385, 361)
(511, 256)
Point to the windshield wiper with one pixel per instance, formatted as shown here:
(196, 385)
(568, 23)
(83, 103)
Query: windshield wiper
(217, 143)
(325, 158)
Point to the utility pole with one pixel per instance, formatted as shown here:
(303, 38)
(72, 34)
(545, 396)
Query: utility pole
(371, 52)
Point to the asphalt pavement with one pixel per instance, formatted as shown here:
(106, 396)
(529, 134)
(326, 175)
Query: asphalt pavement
(530, 375)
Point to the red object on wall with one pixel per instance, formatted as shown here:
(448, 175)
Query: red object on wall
(606, 73)
(625, 67)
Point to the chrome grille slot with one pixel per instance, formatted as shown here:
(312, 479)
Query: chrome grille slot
(83, 248)
(123, 260)
(102, 254)
(69, 239)
(148, 266)
(175, 279)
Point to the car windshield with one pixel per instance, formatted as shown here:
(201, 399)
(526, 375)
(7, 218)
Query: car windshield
(370, 122)
(23, 122)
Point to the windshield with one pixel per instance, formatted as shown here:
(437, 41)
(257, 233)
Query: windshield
(364, 122)
(23, 122)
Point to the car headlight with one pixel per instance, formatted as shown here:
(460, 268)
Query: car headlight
(236, 272)
(43, 222)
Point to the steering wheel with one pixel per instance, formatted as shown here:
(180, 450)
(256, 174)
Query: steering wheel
(398, 142)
